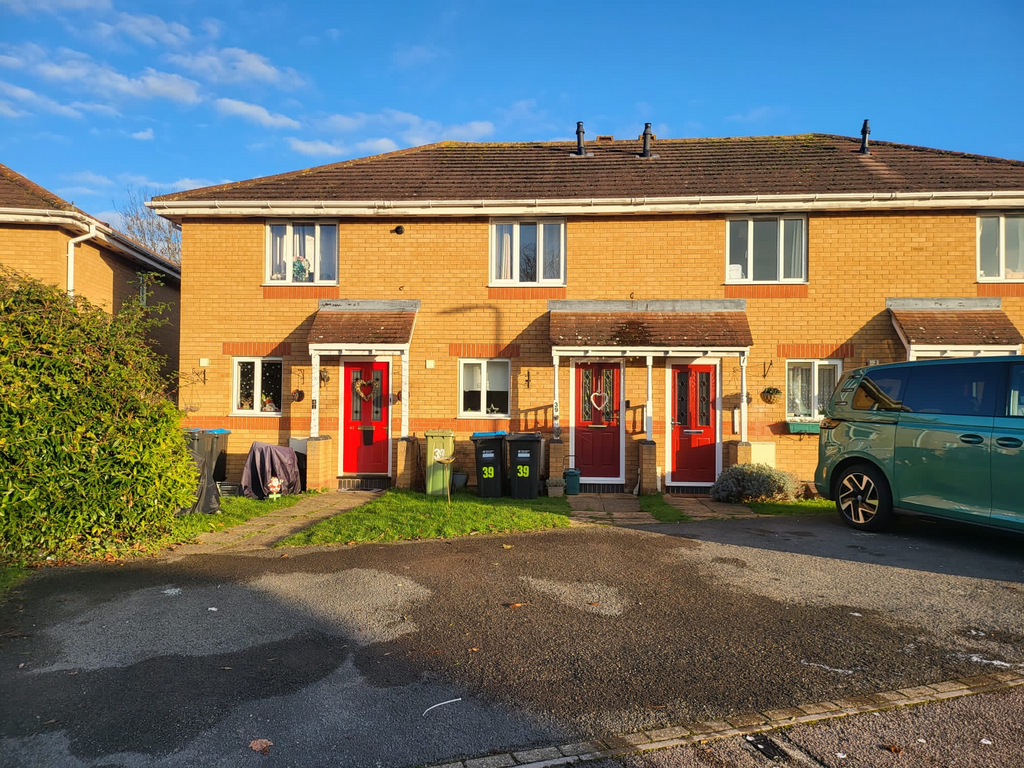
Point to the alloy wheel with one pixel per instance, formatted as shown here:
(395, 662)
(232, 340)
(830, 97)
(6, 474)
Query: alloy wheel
(858, 498)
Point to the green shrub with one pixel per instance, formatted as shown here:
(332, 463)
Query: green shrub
(753, 482)
(92, 456)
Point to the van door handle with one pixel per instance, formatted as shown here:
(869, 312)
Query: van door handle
(1009, 442)
(972, 439)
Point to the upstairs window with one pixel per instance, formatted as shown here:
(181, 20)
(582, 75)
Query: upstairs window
(809, 385)
(528, 252)
(302, 253)
(769, 249)
(1001, 247)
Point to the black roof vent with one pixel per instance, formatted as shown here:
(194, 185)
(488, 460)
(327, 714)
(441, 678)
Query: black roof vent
(581, 148)
(865, 131)
(647, 138)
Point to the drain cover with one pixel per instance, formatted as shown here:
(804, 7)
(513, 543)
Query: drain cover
(766, 747)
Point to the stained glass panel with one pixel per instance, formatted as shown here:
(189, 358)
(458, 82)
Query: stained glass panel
(703, 399)
(378, 395)
(587, 388)
(683, 398)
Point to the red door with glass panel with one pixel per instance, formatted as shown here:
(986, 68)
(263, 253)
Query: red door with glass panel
(598, 442)
(694, 447)
(364, 426)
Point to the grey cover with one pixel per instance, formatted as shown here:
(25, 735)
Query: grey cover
(266, 461)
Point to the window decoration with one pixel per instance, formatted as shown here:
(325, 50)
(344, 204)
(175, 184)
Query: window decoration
(302, 253)
(1001, 247)
(766, 250)
(528, 252)
(809, 385)
(485, 387)
(258, 386)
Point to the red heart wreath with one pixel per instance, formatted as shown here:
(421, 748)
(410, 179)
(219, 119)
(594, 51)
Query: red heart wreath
(360, 388)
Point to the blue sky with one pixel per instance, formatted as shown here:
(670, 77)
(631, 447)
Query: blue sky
(99, 94)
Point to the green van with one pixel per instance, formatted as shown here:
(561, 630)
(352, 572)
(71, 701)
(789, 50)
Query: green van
(941, 438)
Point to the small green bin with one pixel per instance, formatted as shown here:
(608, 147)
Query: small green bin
(572, 481)
(440, 445)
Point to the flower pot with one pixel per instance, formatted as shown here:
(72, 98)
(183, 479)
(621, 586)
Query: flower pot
(771, 397)
(556, 490)
(459, 479)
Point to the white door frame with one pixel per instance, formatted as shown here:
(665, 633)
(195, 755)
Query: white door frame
(670, 458)
(342, 415)
(621, 479)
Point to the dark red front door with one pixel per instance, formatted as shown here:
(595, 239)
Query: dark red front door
(598, 442)
(364, 425)
(694, 446)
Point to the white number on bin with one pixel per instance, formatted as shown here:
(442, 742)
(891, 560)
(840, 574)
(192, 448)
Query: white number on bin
(438, 454)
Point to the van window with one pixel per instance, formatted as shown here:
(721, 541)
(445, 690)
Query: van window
(962, 390)
(881, 390)
(1016, 404)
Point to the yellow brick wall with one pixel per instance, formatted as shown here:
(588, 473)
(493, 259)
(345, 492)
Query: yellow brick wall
(102, 277)
(856, 261)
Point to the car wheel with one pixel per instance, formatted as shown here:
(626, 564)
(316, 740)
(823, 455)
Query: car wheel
(863, 498)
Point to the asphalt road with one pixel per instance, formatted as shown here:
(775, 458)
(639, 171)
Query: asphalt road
(335, 655)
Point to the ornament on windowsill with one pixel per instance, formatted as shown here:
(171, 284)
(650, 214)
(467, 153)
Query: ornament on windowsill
(300, 270)
(245, 404)
(269, 406)
(359, 387)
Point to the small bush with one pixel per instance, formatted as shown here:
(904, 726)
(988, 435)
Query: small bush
(92, 456)
(753, 482)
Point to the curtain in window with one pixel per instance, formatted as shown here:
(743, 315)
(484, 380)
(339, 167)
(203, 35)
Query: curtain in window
(327, 259)
(798, 390)
(278, 263)
(988, 247)
(498, 387)
(552, 251)
(1014, 247)
(738, 250)
(472, 384)
(827, 375)
(793, 249)
(503, 252)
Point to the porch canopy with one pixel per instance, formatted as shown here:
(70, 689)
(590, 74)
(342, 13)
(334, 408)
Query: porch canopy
(973, 327)
(352, 327)
(649, 329)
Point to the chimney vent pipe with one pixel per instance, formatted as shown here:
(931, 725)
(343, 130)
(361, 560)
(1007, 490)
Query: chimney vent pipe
(647, 141)
(581, 150)
(865, 131)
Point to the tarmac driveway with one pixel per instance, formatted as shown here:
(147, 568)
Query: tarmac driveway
(335, 655)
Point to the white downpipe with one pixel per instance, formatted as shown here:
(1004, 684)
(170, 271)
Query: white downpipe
(743, 397)
(71, 256)
(555, 415)
(649, 415)
(405, 393)
(314, 411)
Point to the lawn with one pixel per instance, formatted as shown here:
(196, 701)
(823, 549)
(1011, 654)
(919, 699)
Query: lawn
(801, 507)
(10, 577)
(399, 515)
(234, 510)
(656, 506)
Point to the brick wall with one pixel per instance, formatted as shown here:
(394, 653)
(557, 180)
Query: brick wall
(856, 261)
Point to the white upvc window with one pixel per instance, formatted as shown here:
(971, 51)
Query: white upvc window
(809, 385)
(302, 253)
(1001, 247)
(766, 249)
(257, 386)
(527, 252)
(484, 388)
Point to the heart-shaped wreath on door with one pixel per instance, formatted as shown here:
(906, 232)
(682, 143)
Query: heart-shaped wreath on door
(366, 389)
(599, 399)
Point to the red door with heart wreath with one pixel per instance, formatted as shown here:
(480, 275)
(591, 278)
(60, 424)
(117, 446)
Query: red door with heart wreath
(364, 425)
(598, 442)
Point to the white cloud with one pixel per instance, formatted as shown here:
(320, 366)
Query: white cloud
(415, 56)
(79, 191)
(88, 177)
(145, 183)
(100, 109)
(234, 65)
(148, 29)
(211, 27)
(113, 218)
(37, 101)
(12, 62)
(377, 146)
(411, 129)
(344, 122)
(146, 135)
(6, 110)
(756, 115)
(254, 113)
(317, 148)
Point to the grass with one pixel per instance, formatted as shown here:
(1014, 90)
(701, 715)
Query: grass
(234, 510)
(656, 506)
(801, 507)
(10, 577)
(399, 515)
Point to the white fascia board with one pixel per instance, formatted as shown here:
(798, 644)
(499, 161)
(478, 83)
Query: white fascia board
(359, 349)
(81, 222)
(1008, 348)
(645, 351)
(596, 206)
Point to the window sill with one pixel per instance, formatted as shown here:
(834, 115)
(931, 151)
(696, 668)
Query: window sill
(254, 414)
(490, 416)
(300, 285)
(999, 281)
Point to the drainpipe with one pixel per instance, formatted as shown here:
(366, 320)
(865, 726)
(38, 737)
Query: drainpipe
(71, 256)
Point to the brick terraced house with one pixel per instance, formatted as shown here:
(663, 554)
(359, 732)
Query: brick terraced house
(49, 239)
(638, 302)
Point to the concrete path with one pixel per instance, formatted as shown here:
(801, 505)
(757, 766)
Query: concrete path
(624, 509)
(263, 532)
(702, 508)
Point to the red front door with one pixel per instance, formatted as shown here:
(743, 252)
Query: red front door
(694, 448)
(364, 424)
(598, 442)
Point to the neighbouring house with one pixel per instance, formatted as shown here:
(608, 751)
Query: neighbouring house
(637, 302)
(51, 240)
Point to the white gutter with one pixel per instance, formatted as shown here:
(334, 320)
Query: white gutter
(175, 209)
(71, 256)
(83, 223)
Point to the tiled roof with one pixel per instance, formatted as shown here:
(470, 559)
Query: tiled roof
(650, 329)
(957, 327)
(339, 327)
(18, 192)
(810, 163)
